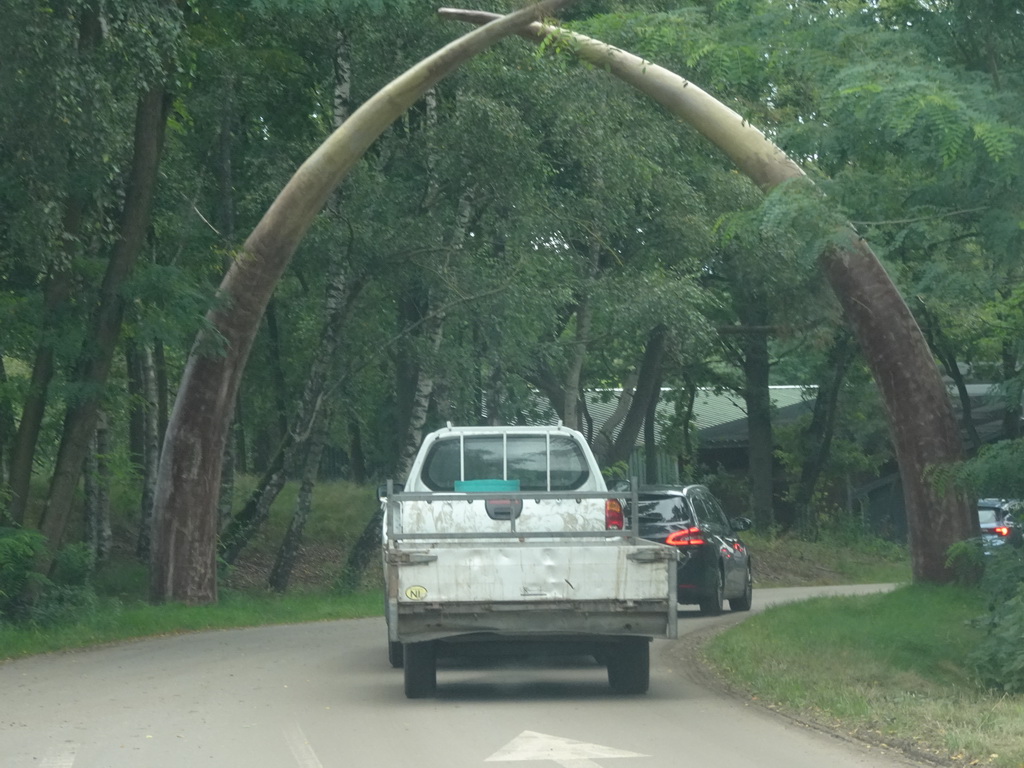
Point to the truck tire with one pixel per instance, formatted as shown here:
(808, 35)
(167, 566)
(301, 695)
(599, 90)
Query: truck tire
(629, 666)
(395, 654)
(420, 670)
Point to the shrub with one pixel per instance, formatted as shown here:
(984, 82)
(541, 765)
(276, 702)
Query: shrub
(998, 660)
(18, 551)
(63, 604)
(966, 559)
(26, 595)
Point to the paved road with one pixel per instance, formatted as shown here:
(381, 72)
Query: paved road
(323, 696)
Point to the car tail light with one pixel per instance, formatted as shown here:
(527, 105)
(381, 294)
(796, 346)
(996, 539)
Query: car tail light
(687, 537)
(613, 520)
(1002, 530)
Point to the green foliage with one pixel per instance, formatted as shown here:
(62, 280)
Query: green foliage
(994, 472)
(998, 659)
(27, 596)
(18, 550)
(966, 559)
(617, 474)
(60, 605)
(73, 566)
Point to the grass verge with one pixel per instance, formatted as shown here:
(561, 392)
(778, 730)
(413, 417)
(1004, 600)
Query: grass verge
(113, 621)
(887, 668)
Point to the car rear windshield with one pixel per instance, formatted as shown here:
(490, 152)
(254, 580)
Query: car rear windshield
(987, 516)
(666, 509)
(522, 458)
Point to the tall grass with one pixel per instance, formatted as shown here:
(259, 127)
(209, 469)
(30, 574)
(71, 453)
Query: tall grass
(889, 666)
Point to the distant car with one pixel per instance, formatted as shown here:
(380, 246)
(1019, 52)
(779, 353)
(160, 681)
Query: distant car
(714, 564)
(996, 516)
(998, 520)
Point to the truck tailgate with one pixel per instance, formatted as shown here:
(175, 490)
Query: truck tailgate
(533, 570)
(595, 586)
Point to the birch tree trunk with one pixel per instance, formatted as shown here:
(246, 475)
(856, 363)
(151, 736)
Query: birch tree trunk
(97, 492)
(289, 551)
(183, 565)
(151, 454)
(921, 421)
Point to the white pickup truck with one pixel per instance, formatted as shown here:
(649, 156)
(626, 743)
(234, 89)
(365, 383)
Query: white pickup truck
(505, 541)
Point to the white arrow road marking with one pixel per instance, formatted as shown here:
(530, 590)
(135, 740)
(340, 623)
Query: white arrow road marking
(530, 745)
(301, 750)
(60, 757)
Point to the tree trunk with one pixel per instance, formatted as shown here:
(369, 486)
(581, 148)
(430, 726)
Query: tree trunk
(816, 439)
(651, 448)
(356, 456)
(80, 421)
(921, 421)
(280, 396)
(604, 440)
(424, 388)
(7, 431)
(136, 409)
(646, 391)
(183, 566)
(56, 292)
(97, 493)
(151, 453)
(760, 437)
(946, 354)
(1012, 394)
(572, 392)
(288, 552)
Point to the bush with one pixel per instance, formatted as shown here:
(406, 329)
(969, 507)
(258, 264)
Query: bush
(18, 551)
(62, 604)
(966, 559)
(998, 660)
(27, 595)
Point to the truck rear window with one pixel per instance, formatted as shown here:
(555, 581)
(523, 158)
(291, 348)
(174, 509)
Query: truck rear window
(507, 457)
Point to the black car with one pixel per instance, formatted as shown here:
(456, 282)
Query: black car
(997, 520)
(714, 564)
(996, 515)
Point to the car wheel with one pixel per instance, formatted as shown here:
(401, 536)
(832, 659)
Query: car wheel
(629, 666)
(395, 654)
(744, 601)
(420, 670)
(711, 604)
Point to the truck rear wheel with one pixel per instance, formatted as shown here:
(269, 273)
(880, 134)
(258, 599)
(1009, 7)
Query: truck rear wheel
(420, 670)
(395, 654)
(629, 666)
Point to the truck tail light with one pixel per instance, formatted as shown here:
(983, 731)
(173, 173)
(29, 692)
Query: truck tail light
(1002, 530)
(687, 537)
(613, 520)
